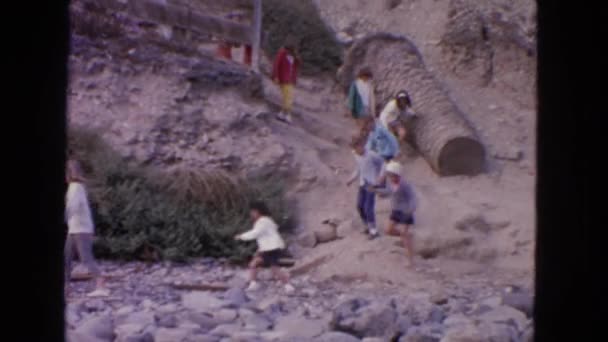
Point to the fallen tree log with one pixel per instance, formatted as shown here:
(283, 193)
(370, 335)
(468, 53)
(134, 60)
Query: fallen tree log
(441, 133)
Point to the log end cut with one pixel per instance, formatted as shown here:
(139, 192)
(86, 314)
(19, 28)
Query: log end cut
(461, 156)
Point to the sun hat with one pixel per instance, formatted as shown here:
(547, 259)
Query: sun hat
(394, 168)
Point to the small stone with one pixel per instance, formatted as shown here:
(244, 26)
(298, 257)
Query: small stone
(307, 239)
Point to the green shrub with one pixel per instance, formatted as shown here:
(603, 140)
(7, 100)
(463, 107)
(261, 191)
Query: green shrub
(317, 44)
(144, 214)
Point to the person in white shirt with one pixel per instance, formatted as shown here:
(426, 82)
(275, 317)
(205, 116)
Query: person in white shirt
(80, 229)
(396, 113)
(270, 245)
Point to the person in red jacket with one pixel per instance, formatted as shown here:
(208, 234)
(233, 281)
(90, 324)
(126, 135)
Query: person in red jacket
(284, 73)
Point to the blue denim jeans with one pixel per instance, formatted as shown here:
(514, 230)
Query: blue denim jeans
(366, 202)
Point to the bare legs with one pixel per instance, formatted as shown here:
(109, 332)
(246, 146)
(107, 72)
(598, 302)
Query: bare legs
(253, 267)
(407, 239)
(257, 261)
(408, 243)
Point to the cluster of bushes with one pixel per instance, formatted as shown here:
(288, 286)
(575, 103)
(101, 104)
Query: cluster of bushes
(144, 214)
(300, 20)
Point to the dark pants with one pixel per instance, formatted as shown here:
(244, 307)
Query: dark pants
(366, 201)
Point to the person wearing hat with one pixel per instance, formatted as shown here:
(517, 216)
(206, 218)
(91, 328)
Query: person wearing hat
(403, 205)
(396, 113)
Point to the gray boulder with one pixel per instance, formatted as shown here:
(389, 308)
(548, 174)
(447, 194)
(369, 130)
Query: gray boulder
(360, 319)
(202, 302)
(297, 326)
(337, 336)
(235, 297)
(101, 328)
(424, 333)
(522, 301)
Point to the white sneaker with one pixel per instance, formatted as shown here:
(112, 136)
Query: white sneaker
(253, 286)
(99, 293)
(289, 288)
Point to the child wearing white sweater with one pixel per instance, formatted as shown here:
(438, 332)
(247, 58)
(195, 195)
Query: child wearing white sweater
(270, 246)
(80, 229)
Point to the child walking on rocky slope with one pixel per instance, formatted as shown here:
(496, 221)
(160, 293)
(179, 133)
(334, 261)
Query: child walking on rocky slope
(80, 229)
(369, 167)
(403, 206)
(270, 246)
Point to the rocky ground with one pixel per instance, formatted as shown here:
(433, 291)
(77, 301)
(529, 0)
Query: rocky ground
(144, 306)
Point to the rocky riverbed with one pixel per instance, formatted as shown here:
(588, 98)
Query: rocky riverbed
(146, 305)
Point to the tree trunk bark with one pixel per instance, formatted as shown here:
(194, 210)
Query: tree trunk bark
(441, 133)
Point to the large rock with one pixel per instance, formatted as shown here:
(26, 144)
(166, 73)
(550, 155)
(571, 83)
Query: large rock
(101, 328)
(337, 336)
(202, 302)
(522, 301)
(139, 318)
(297, 326)
(235, 297)
(225, 330)
(257, 322)
(506, 315)
(422, 334)
(326, 233)
(307, 239)
(171, 335)
(361, 319)
(206, 321)
(481, 332)
(128, 332)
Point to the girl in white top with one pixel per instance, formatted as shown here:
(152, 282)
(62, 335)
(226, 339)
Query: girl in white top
(270, 245)
(396, 109)
(80, 229)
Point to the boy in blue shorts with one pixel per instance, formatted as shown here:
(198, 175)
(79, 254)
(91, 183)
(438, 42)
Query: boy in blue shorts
(403, 206)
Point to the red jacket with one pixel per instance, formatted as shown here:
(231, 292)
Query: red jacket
(285, 72)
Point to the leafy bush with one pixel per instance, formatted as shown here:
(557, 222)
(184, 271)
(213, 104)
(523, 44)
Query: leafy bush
(144, 214)
(317, 44)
